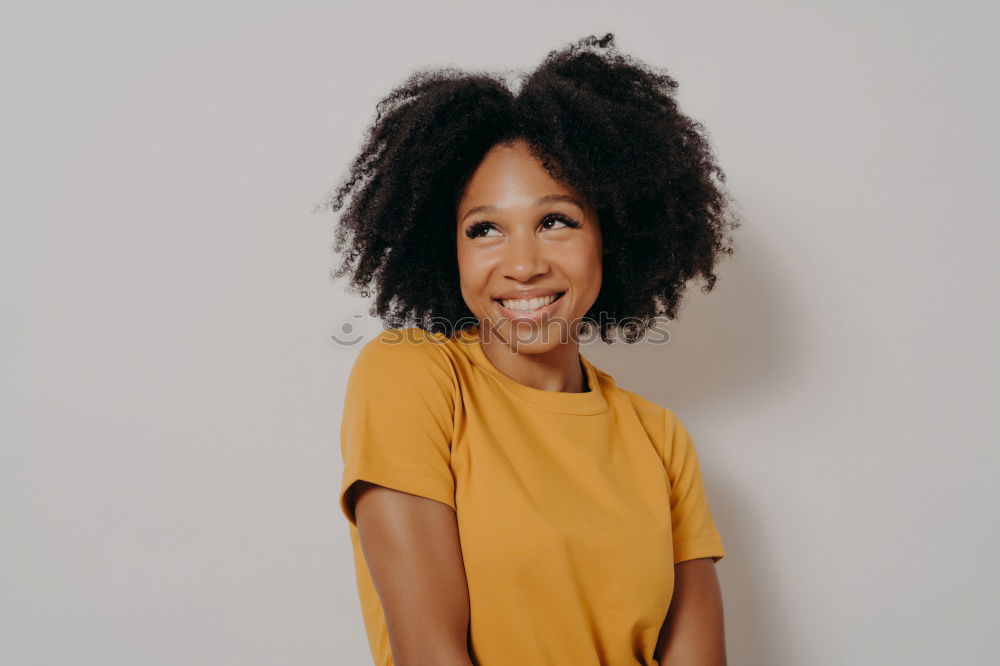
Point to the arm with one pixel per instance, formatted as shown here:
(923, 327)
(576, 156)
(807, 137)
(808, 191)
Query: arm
(693, 632)
(412, 549)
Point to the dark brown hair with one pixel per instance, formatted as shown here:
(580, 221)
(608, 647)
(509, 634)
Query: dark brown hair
(600, 121)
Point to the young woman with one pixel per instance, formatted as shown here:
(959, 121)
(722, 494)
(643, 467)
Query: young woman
(509, 503)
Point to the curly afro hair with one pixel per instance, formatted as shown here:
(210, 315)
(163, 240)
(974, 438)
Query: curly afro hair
(599, 121)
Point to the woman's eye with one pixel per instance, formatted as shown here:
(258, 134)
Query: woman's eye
(482, 228)
(562, 219)
(478, 229)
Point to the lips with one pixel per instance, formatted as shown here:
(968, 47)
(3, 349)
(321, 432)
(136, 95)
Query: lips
(528, 293)
(535, 315)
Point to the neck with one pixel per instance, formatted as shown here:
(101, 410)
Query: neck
(556, 369)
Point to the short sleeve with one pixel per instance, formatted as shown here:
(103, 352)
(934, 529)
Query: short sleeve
(694, 532)
(398, 418)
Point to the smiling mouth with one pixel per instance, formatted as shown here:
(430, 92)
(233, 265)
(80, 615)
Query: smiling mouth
(530, 305)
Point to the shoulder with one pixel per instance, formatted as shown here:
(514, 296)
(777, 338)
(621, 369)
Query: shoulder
(405, 355)
(647, 409)
(643, 404)
(654, 417)
(662, 423)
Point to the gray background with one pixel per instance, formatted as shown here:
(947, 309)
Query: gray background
(170, 456)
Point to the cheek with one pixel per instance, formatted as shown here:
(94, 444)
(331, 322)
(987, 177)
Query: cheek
(585, 267)
(473, 272)
(593, 275)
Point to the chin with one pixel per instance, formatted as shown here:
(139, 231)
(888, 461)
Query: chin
(532, 337)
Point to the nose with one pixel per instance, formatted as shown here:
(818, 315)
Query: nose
(524, 258)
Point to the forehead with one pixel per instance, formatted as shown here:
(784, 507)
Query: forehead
(509, 175)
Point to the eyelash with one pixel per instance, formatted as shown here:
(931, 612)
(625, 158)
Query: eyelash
(473, 230)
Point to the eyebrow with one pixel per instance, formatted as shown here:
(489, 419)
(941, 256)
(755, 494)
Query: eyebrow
(548, 198)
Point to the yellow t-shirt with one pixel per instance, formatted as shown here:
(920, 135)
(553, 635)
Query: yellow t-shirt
(572, 508)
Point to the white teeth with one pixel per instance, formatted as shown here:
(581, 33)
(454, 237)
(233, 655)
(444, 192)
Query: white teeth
(528, 303)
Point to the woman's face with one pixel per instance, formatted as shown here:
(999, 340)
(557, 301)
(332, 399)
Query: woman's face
(522, 234)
